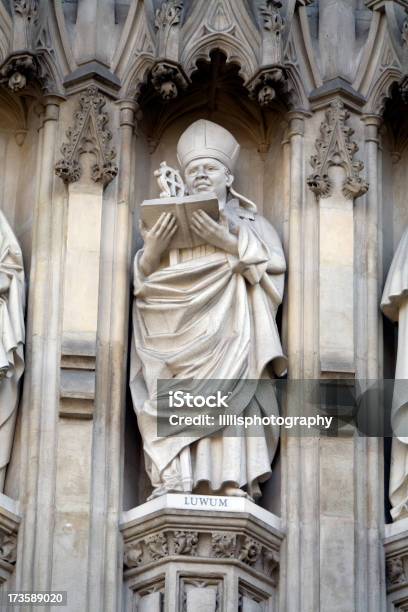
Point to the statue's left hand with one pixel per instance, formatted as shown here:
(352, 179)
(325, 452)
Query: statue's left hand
(214, 233)
(4, 282)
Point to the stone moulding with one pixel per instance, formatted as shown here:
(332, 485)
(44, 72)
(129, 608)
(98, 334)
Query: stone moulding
(89, 134)
(9, 525)
(335, 147)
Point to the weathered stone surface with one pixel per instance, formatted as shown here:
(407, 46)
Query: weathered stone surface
(127, 79)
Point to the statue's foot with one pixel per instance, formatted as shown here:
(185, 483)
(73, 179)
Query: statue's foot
(234, 492)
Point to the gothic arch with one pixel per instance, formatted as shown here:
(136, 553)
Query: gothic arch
(233, 49)
(382, 90)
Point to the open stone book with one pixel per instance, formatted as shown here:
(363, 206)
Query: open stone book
(182, 207)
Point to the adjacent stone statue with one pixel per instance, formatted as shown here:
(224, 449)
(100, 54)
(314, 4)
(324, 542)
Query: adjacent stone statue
(208, 312)
(394, 304)
(12, 302)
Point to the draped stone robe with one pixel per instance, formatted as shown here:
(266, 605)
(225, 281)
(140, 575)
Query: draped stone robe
(11, 339)
(209, 315)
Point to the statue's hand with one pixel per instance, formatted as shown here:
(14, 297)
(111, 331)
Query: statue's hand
(214, 233)
(4, 282)
(156, 241)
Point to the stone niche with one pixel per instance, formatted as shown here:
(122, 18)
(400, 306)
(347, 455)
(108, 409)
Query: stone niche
(20, 121)
(221, 553)
(216, 93)
(193, 553)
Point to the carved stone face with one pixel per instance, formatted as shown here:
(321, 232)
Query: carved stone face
(17, 81)
(208, 174)
(266, 95)
(168, 90)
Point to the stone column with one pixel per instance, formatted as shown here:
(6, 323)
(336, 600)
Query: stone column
(105, 560)
(87, 167)
(291, 578)
(40, 405)
(370, 463)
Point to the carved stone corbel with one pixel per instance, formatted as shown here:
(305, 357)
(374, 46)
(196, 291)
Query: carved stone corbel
(22, 68)
(168, 79)
(268, 83)
(30, 60)
(336, 148)
(90, 133)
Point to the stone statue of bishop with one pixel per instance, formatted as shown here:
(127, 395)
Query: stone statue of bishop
(208, 313)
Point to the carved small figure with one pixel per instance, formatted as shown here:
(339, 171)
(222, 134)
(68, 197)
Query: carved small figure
(17, 81)
(250, 552)
(168, 90)
(266, 95)
(395, 571)
(8, 548)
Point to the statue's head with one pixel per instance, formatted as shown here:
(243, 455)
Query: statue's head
(207, 153)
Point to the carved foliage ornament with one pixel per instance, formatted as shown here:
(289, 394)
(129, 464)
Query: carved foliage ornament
(224, 545)
(26, 8)
(89, 134)
(169, 14)
(272, 18)
(336, 148)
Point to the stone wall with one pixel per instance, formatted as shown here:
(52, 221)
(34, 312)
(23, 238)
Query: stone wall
(94, 95)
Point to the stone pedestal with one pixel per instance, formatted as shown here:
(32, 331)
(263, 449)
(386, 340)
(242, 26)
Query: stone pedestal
(192, 553)
(396, 553)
